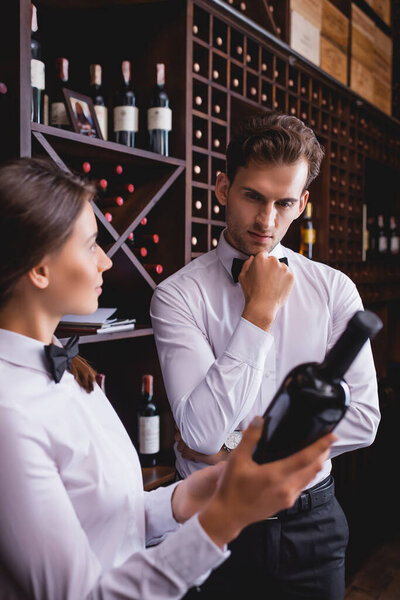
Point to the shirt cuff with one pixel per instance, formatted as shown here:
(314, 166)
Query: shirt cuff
(159, 517)
(190, 553)
(250, 344)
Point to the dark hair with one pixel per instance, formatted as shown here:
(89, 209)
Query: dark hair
(39, 204)
(276, 139)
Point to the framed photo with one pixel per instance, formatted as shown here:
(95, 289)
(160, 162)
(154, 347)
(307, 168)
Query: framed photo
(81, 111)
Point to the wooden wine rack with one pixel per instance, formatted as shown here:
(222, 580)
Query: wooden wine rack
(235, 70)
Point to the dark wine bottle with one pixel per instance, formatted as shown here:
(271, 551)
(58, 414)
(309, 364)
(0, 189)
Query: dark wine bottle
(307, 233)
(148, 425)
(125, 113)
(96, 94)
(313, 397)
(37, 71)
(58, 112)
(159, 115)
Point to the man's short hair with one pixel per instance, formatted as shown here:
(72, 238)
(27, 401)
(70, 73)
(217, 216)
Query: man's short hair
(274, 138)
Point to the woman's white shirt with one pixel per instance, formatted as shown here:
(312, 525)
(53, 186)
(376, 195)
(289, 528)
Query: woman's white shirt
(74, 519)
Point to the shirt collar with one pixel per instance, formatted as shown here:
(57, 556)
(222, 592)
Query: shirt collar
(24, 351)
(226, 253)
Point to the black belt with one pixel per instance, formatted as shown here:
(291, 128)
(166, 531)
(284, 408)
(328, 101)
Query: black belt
(317, 495)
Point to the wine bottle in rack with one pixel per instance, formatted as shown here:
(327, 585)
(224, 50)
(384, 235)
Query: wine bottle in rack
(148, 425)
(111, 201)
(382, 245)
(37, 71)
(307, 233)
(96, 94)
(313, 397)
(155, 269)
(125, 113)
(159, 115)
(58, 112)
(394, 239)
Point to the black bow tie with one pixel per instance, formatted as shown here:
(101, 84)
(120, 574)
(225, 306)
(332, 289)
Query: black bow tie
(237, 264)
(60, 358)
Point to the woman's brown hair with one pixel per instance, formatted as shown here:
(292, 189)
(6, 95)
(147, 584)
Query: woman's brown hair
(274, 138)
(39, 204)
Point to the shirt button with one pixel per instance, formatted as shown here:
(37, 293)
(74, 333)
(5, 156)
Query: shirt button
(267, 373)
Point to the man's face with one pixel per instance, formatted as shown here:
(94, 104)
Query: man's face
(261, 203)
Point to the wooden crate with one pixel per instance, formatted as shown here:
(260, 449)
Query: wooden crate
(382, 96)
(383, 9)
(362, 48)
(361, 22)
(362, 80)
(333, 60)
(311, 10)
(335, 25)
(304, 37)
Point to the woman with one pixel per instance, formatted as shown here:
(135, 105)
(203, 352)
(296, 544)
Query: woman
(74, 520)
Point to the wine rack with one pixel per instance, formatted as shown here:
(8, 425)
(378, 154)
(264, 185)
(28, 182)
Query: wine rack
(234, 68)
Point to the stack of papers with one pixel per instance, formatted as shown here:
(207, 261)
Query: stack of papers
(100, 321)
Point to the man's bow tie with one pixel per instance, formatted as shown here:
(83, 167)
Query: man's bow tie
(60, 358)
(237, 264)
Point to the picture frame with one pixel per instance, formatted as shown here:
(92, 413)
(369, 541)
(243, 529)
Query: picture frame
(80, 109)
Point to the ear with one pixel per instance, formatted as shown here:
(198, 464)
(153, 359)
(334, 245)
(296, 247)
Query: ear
(222, 188)
(303, 202)
(39, 276)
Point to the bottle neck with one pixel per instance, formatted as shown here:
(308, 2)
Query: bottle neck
(62, 69)
(126, 73)
(95, 76)
(362, 326)
(147, 388)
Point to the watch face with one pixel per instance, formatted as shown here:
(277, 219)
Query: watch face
(233, 440)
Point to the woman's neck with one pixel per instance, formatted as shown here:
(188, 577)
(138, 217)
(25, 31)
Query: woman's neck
(26, 318)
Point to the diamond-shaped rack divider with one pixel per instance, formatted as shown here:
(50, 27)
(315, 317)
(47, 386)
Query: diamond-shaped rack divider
(149, 188)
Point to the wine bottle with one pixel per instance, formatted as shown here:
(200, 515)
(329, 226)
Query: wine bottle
(125, 113)
(313, 397)
(58, 113)
(148, 425)
(382, 244)
(96, 94)
(394, 239)
(37, 71)
(307, 233)
(159, 115)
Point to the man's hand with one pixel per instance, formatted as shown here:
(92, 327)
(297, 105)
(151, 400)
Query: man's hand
(266, 285)
(189, 454)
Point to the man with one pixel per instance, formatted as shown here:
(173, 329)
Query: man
(225, 347)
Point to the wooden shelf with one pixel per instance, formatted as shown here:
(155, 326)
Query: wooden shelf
(153, 477)
(82, 146)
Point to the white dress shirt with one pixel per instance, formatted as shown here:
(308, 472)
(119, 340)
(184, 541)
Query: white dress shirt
(220, 370)
(74, 519)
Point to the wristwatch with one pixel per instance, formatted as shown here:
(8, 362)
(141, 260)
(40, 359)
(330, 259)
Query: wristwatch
(232, 441)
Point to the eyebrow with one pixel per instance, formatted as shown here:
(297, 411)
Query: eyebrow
(249, 189)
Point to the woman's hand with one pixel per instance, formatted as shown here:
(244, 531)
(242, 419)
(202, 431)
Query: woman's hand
(193, 493)
(189, 454)
(248, 492)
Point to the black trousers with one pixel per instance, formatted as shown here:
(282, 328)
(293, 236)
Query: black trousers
(294, 557)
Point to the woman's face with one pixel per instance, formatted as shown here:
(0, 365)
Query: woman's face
(75, 271)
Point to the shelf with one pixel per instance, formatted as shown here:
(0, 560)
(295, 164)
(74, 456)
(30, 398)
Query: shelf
(93, 338)
(153, 477)
(82, 146)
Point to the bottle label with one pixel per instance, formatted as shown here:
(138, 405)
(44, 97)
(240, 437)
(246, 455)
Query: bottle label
(58, 114)
(159, 118)
(395, 244)
(37, 74)
(149, 435)
(382, 246)
(126, 118)
(102, 117)
(309, 236)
